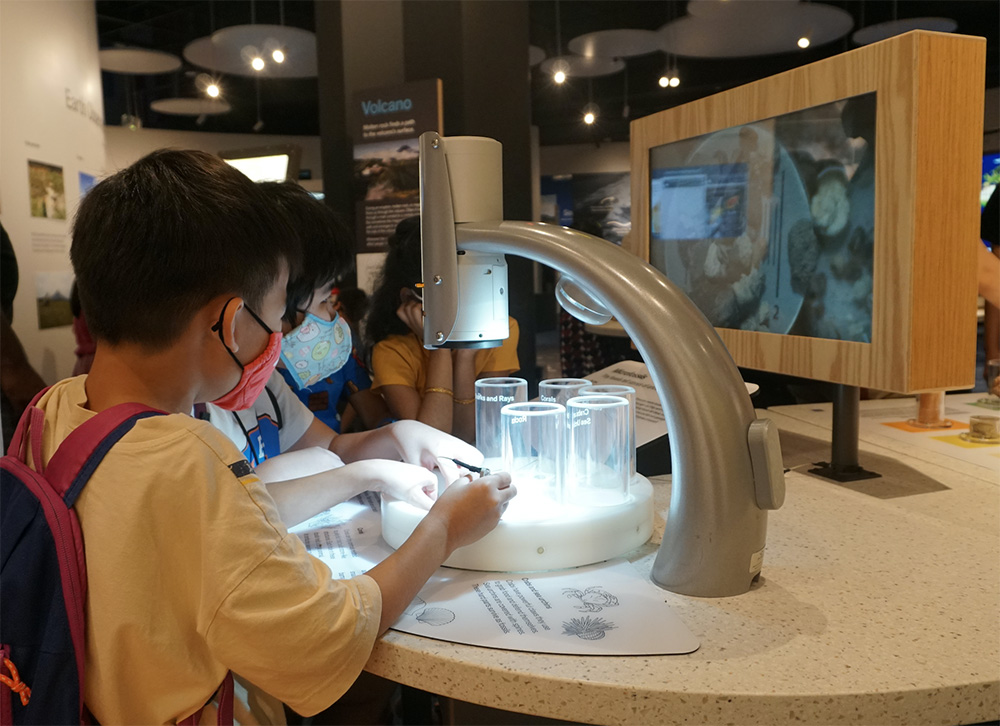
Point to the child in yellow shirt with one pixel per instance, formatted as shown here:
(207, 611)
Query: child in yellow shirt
(436, 387)
(181, 268)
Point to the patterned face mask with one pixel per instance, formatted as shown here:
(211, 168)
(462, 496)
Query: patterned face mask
(316, 349)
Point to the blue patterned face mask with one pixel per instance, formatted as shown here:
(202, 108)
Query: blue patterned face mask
(316, 348)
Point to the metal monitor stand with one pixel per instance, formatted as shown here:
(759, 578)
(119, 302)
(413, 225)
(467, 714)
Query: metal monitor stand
(843, 465)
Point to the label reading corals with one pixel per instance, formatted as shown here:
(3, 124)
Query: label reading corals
(756, 561)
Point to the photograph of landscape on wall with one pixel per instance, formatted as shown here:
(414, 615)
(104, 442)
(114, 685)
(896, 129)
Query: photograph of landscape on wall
(46, 190)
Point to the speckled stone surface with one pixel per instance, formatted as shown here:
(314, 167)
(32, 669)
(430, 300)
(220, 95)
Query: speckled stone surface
(870, 611)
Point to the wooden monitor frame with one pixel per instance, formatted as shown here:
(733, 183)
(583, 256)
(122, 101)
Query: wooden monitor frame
(929, 123)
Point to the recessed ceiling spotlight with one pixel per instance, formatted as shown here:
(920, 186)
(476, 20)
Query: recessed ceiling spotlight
(278, 55)
(208, 85)
(803, 42)
(590, 112)
(257, 63)
(670, 78)
(560, 71)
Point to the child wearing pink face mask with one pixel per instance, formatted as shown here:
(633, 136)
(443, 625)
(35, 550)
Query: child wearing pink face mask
(398, 459)
(182, 266)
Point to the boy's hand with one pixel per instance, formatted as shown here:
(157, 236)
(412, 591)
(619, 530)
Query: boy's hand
(406, 482)
(420, 444)
(468, 510)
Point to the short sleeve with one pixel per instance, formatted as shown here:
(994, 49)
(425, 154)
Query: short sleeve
(296, 632)
(393, 364)
(282, 622)
(503, 358)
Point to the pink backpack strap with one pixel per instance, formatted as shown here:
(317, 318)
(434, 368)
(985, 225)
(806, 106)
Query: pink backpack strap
(224, 714)
(81, 452)
(25, 424)
(226, 695)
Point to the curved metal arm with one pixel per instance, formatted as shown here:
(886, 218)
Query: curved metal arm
(714, 536)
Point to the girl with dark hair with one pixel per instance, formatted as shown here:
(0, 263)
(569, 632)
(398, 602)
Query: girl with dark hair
(436, 387)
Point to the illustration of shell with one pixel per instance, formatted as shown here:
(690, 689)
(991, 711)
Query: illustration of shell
(588, 628)
(435, 616)
(415, 607)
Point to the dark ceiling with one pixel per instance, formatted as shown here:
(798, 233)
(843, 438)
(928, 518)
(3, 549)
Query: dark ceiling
(290, 106)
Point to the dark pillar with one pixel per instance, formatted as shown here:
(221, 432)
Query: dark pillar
(479, 49)
(335, 146)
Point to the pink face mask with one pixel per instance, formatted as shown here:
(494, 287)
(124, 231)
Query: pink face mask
(255, 373)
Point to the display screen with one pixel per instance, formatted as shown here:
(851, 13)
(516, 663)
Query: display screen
(263, 168)
(770, 226)
(699, 202)
(991, 177)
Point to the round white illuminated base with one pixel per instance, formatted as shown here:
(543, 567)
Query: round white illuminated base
(532, 536)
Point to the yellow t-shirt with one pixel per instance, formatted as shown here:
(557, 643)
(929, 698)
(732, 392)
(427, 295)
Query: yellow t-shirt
(402, 360)
(192, 573)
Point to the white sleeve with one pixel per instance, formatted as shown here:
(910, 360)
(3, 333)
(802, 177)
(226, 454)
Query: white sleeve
(295, 415)
(224, 422)
(294, 464)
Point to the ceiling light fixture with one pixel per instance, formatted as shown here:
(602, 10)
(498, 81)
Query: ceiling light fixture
(208, 85)
(257, 63)
(560, 67)
(670, 78)
(278, 55)
(803, 42)
(591, 110)
(742, 29)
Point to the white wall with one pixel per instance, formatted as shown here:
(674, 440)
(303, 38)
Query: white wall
(125, 147)
(51, 111)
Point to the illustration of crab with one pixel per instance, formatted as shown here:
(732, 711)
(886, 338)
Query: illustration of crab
(593, 599)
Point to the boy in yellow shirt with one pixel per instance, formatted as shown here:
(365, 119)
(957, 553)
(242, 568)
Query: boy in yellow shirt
(181, 269)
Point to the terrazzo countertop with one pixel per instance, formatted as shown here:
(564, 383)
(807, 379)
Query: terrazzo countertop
(869, 611)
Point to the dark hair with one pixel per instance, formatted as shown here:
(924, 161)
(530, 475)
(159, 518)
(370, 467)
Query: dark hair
(353, 304)
(155, 242)
(325, 241)
(74, 301)
(401, 269)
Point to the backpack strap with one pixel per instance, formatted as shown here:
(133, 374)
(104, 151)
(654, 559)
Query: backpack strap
(25, 424)
(224, 714)
(82, 451)
(226, 696)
